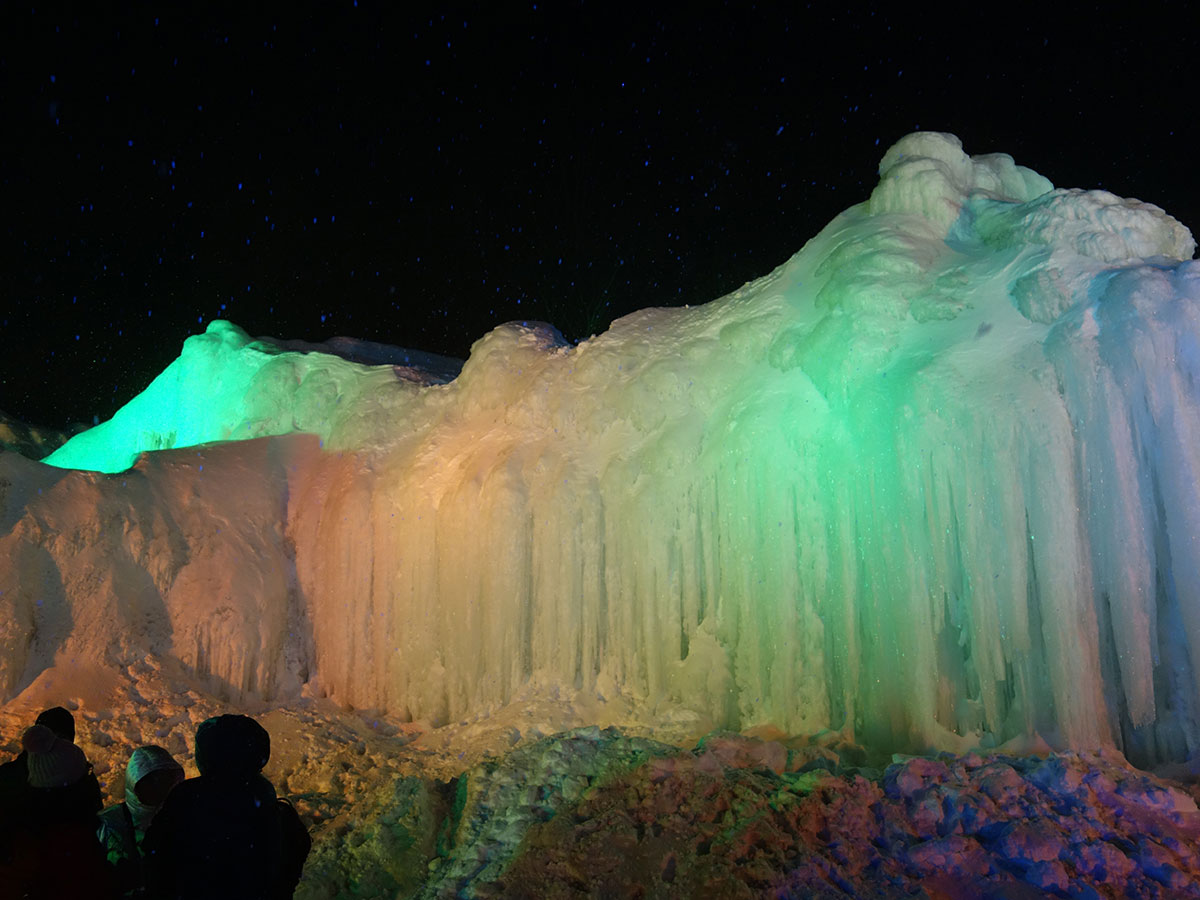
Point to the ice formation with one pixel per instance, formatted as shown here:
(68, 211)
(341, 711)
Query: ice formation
(933, 482)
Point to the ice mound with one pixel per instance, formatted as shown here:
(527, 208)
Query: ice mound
(928, 174)
(932, 483)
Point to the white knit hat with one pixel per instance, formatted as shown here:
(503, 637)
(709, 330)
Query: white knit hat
(51, 761)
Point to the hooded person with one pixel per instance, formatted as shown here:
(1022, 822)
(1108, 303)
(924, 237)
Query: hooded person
(225, 834)
(54, 853)
(150, 775)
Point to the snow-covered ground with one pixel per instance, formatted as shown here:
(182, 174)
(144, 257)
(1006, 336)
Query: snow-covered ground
(530, 801)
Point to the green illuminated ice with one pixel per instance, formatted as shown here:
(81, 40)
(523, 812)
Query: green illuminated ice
(933, 482)
(227, 387)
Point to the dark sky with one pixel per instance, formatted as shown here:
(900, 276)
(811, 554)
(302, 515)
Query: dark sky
(417, 177)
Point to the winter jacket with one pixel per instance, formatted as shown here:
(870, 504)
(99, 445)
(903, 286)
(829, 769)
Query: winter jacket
(226, 837)
(54, 853)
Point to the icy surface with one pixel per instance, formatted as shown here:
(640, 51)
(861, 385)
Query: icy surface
(227, 386)
(932, 483)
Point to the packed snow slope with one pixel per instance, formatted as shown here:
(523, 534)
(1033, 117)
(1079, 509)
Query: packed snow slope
(933, 483)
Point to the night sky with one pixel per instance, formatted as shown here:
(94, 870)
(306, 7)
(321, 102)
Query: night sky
(417, 177)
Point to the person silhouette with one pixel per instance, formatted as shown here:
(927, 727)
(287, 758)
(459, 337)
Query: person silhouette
(224, 833)
(14, 779)
(150, 776)
(52, 851)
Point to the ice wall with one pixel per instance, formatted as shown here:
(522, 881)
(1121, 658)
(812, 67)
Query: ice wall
(933, 482)
(184, 559)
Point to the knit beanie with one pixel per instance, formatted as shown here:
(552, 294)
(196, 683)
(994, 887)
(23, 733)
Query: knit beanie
(51, 761)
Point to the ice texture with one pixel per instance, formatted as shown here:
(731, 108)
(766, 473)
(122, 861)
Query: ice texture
(933, 483)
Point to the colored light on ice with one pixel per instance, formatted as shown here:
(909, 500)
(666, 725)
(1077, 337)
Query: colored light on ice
(933, 481)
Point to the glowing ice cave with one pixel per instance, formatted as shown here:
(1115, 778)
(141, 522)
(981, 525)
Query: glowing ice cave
(933, 483)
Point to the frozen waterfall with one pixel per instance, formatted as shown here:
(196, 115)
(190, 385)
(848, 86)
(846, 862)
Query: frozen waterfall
(933, 482)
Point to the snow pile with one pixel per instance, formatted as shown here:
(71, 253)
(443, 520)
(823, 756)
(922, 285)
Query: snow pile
(933, 483)
(693, 825)
(171, 560)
